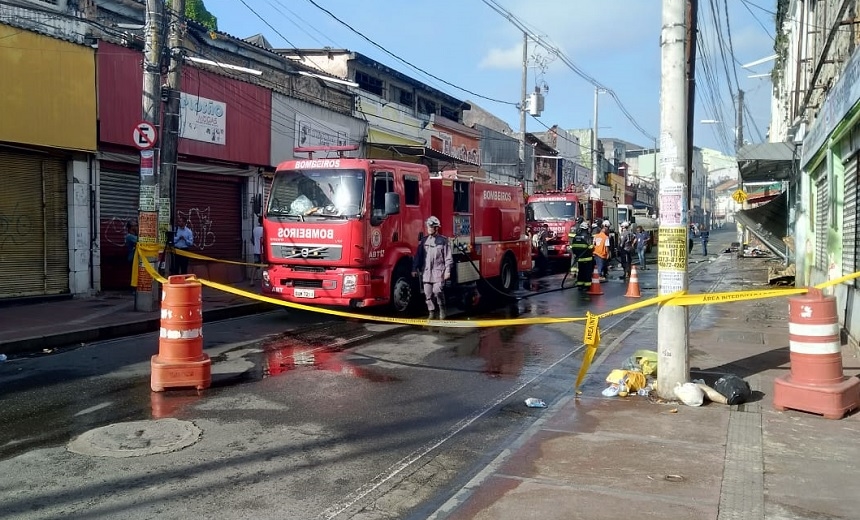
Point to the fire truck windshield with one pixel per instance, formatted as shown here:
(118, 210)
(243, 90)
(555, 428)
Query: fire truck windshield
(317, 193)
(552, 210)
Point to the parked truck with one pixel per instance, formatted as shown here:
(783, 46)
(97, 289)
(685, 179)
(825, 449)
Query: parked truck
(344, 231)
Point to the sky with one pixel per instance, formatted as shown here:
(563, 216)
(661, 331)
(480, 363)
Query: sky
(615, 42)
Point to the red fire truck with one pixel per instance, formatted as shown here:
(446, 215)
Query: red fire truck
(559, 210)
(343, 231)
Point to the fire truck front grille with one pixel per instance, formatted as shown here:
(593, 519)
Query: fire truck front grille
(307, 252)
(307, 269)
(308, 284)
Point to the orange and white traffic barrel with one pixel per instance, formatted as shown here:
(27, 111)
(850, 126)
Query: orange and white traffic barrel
(816, 383)
(180, 361)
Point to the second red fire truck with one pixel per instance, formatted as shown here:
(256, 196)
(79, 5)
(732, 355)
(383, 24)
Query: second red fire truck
(343, 231)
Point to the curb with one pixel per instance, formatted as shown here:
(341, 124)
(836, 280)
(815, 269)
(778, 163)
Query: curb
(36, 344)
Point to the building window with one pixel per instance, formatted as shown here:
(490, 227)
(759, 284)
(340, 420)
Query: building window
(410, 190)
(425, 106)
(450, 113)
(369, 83)
(461, 197)
(401, 96)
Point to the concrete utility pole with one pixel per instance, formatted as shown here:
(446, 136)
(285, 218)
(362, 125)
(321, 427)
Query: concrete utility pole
(739, 143)
(523, 103)
(147, 293)
(170, 151)
(594, 155)
(673, 321)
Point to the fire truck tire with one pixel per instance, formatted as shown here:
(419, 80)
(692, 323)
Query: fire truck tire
(404, 290)
(507, 280)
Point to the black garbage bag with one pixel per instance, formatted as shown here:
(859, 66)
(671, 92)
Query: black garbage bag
(735, 389)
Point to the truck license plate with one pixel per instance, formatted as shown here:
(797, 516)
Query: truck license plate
(303, 293)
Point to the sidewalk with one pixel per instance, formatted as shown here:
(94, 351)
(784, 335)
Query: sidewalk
(41, 327)
(607, 458)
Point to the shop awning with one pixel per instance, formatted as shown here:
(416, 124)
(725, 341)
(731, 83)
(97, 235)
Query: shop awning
(767, 161)
(383, 138)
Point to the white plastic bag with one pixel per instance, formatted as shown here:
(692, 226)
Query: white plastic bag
(690, 394)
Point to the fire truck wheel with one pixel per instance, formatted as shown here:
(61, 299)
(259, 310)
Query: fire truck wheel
(403, 290)
(508, 274)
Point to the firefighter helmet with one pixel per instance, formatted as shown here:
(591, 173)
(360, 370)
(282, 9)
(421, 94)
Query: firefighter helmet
(584, 225)
(433, 222)
(606, 223)
(625, 224)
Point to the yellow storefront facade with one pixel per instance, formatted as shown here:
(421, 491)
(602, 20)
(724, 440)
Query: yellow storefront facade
(48, 120)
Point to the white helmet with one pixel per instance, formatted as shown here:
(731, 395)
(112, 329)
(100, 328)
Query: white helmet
(606, 223)
(625, 224)
(584, 225)
(433, 222)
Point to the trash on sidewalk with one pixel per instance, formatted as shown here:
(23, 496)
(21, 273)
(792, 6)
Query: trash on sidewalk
(642, 360)
(690, 394)
(624, 382)
(533, 402)
(710, 393)
(735, 389)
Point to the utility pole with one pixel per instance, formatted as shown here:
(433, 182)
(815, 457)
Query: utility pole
(170, 152)
(739, 143)
(523, 103)
(692, 27)
(147, 291)
(673, 320)
(594, 155)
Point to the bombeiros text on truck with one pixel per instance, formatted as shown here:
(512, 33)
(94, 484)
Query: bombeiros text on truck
(344, 231)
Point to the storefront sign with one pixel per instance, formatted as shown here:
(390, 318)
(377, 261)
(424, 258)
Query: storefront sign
(839, 101)
(310, 132)
(202, 119)
(462, 148)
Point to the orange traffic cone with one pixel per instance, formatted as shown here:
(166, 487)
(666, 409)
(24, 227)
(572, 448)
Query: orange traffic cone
(633, 286)
(595, 288)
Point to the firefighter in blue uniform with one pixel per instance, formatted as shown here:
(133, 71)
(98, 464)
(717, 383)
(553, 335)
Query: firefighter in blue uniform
(581, 257)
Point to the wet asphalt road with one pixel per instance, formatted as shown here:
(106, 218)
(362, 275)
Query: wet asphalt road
(308, 417)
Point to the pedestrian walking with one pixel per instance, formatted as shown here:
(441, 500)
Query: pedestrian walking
(642, 239)
(581, 256)
(434, 261)
(183, 238)
(257, 245)
(691, 237)
(601, 252)
(705, 234)
(543, 236)
(626, 242)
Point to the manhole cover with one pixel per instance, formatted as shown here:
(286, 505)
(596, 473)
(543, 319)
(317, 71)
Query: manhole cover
(136, 439)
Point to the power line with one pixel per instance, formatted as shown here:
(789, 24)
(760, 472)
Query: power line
(519, 24)
(402, 60)
(291, 44)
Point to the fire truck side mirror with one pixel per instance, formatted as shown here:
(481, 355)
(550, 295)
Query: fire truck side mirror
(392, 203)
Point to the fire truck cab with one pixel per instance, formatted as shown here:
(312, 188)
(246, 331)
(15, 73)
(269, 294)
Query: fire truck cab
(344, 232)
(559, 211)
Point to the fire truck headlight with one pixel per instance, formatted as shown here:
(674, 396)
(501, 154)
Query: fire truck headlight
(350, 283)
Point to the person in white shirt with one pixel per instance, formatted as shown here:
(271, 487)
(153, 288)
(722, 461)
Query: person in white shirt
(183, 238)
(257, 244)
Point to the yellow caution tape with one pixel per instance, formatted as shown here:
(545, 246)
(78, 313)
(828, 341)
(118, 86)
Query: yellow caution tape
(676, 298)
(837, 281)
(726, 297)
(189, 254)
